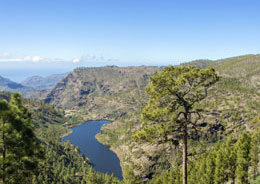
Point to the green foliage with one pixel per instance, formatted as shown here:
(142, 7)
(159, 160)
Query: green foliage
(42, 160)
(233, 84)
(129, 176)
(256, 181)
(254, 154)
(220, 167)
(168, 177)
(243, 158)
(65, 164)
(225, 162)
(42, 114)
(20, 149)
(173, 94)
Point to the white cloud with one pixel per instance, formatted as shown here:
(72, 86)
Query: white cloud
(87, 58)
(24, 59)
(33, 58)
(92, 58)
(3, 54)
(76, 60)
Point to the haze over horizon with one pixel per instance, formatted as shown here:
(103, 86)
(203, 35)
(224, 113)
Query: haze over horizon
(46, 37)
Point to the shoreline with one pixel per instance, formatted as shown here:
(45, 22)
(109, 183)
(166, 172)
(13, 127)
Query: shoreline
(116, 151)
(80, 123)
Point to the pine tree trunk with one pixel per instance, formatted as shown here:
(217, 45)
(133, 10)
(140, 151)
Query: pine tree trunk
(184, 154)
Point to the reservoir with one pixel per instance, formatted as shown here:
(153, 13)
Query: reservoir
(101, 157)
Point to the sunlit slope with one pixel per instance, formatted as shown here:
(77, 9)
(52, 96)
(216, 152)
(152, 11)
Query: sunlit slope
(230, 108)
(105, 92)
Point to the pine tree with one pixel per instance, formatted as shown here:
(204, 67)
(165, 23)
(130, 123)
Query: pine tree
(173, 94)
(219, 177)
(202, 171)
(243, 158)
(194, 177)
(19, 148)
(230, 159)
(211, 164)
(254, 152)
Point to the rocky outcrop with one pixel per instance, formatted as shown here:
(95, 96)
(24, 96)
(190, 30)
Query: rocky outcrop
(103, 92)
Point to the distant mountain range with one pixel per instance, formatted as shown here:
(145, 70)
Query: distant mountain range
(35, 87)
(40, 83)
(10, 86)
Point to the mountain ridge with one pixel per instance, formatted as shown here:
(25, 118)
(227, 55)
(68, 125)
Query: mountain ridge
(43, 83)
(93, 93)
(10, 86)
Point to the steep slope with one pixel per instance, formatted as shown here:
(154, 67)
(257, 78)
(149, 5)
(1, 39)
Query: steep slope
(230, 108)
(240, 66)
(43, 115)
(38, 82)
(36, 94)
(246, 69)
(102, 93)
(10, 86)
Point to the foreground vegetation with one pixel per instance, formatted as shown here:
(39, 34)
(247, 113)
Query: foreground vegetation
(36, 155)
(233, 160)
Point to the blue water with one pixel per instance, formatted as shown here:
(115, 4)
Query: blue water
(101, 157)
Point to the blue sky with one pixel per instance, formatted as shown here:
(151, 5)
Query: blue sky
(64, 34)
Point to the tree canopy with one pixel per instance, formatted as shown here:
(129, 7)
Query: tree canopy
(19, 147)
(170, 114)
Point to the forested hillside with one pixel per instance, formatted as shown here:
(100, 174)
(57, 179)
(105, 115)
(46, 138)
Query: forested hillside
(59, 162)
(225, 150)
(129, 92)
(231, 108)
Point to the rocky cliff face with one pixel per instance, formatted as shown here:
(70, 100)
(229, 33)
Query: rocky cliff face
(105, 92)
